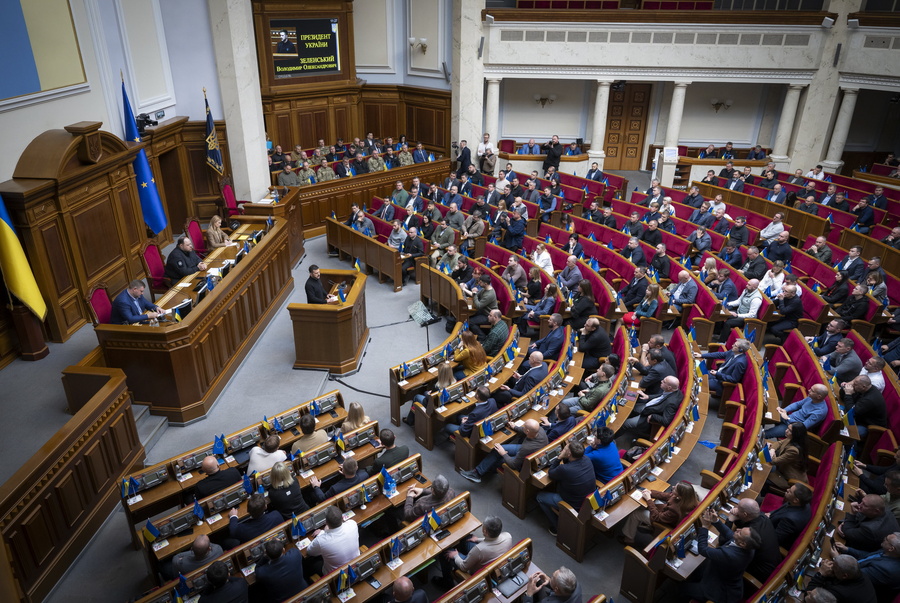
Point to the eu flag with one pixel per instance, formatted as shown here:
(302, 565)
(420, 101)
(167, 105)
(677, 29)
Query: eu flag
(486, 429)
(213, 153)
(219, 444)
(248, 487)
(198, 510)
(151, 204)
(396, 548)
(352, 576)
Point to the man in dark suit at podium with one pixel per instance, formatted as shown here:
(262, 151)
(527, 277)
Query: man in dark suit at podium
(315, 292)
(131, 306)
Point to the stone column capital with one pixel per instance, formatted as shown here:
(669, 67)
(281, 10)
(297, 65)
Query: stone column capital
(851, 91)
(681, 84)
(493, 80)
(604, 83)
(796, 86)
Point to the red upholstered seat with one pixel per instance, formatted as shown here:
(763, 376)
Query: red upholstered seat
(193, 230)
(99, 304)
(155, 267)
(507, 145)
(232, 205)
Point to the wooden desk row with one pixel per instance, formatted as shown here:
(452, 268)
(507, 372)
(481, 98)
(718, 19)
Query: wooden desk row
(564, 372)
(176, 530)
(180, 369)
(352, 245)
(168, 484)
(286, 208)
(519, 487)
(407, 474)
(434, 414)
(644, 569)
(515, 565)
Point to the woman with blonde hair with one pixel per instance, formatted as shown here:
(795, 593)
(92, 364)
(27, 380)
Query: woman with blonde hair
(541, 258)
(444, 380)
(284, 492)
(534, 287)
(470, 356)
(773, 279)
(215, 236)
(646, 307)
(709, 272)
(356, 417)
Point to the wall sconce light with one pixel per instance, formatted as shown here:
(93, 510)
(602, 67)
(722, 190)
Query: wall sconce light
(419, 43)
(544, 100)
(717, 104)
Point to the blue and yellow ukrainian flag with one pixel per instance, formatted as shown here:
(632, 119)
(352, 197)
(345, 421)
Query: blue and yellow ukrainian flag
(150, 532)
(433, 520)
(15, 269)
(151, 204)
(357, 265)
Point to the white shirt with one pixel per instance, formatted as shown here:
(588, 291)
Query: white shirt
(815, 176)
(483, 147)
(499, 185)
(337, 547)
(543, 261)
(260, 460)
(877, 378)
(776, 282)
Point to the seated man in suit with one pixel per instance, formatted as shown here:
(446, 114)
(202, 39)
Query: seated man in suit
(844, 361)
(311, 437)
(351, 475)
(223, 586)
(633, 252)
(216, 478)
(732, 368)
(840, 578)
(130, 306)
(574, 476)
(735, 184)
(484, 407)
(701, 216)
(654, 372)
(420, 501)
(881, 568)
(392, 454)
(684, 291)
(183, 260)
(826, 343)
(867, 524)
(790, 519)
(411, 249)
(280, 571)
(653, 410)
(521, 383)
(201, 553)
(550, 345)
(746, 514)
(258, 523)
(790, 310)
(723, 572)
(512, 454)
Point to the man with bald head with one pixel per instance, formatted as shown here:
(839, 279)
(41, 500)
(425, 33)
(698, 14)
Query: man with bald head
(405, 592)
(842, 577)
(512, 454)
(744, 307)
(868, 524)
(810, 411)
(881, 568)
(746, 514)
(522, 383)
(216, 479)
(650, 412)
(684, 292)
(202, 552)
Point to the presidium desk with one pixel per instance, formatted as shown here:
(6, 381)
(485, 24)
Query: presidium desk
(332, 336)
(179, 368)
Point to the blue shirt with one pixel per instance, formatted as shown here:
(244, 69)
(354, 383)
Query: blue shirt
(605, 460)
(807, 412)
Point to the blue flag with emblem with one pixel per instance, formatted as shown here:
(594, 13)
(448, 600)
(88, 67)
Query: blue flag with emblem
(444, 397)
(198, 510)
(151, 204)
(634, 341)
(219, 444)
(210, 283)
(246, 246)
(695, 412)
(679, 548)
(314, 408)
(486, 429)
(826, 365)
(276, 425)
(129, 487)
(213, 152)
(396, 548)
(248, 485)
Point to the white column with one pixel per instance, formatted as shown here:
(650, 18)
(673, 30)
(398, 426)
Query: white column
(786, 125)
(598, 134)
(467, 101)
(233, 39)
(841, 129)
(492, 109)
(676, 110)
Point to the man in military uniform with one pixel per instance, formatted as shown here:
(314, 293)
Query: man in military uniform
(306, 174)
(325, 172)
(404, 156)
(376, 163)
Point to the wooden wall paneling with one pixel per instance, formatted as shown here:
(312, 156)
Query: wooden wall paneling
(9, 341)
(57, 500)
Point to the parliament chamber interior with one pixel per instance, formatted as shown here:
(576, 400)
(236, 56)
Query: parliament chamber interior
(450, 300)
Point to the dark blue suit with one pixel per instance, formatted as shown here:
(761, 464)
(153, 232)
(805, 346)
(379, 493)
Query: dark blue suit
(635, 256)
(126, 309)
(826, 343)
(479, 412)
(724, 569)
(282, 578)
(525, 383)
(733, 259)
(731, 370)
(727, 292)
(550, 345)
(251, 528)
(883, 572)
(789, 522)
(420, 156)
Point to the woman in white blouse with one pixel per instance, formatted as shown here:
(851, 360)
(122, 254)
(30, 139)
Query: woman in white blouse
(541, 258)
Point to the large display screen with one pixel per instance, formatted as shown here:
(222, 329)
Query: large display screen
(304, 47)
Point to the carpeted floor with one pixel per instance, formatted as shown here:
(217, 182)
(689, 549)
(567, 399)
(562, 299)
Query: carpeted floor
(264, 385)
